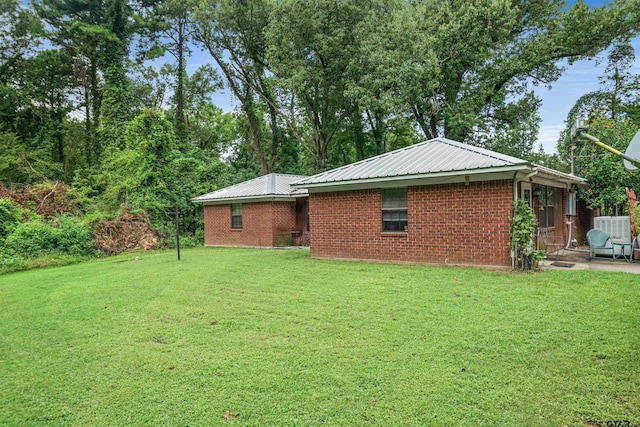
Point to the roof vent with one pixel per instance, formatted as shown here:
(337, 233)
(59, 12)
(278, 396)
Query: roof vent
(271, 183)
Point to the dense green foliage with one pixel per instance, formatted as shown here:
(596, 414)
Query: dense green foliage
(9, 217)
(609, 114)
(66, 235)
(282, 339)
(28, 239)
(523, 228)
(106, 96)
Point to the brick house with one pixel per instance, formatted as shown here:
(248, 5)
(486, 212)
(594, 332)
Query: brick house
(439, 201)
(262, 212)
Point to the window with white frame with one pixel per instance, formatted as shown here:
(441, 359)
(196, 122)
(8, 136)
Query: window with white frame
(236, 216)
(394, 209)
(547, 207)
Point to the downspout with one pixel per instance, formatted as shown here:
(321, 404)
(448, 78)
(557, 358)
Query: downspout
(570, 222)
(515, 197)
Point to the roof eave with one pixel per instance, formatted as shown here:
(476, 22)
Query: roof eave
(398, 178)
(248, 199)
(557, 176)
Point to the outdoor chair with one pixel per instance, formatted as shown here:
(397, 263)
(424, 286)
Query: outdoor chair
(598, 239)
(635, 247)
(551, 242)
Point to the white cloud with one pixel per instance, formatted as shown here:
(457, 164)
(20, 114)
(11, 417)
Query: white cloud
(548, 137)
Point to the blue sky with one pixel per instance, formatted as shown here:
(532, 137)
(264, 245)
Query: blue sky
(578, 79)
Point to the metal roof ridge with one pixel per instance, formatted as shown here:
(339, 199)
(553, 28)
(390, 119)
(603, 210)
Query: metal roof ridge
(270, 187)
(231, 186)
(483, 151)
(370, 159)
(286, 174)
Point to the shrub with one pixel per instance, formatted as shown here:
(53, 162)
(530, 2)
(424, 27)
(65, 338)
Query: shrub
(11, 262)
(190, 240)
(523, 227)
(9, 216)
(75, 237)
(64, 235)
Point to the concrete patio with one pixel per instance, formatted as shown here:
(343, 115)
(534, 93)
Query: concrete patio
(578, 257)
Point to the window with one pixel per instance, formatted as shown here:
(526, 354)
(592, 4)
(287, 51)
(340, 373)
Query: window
(547, 205)
(525, 193)
(236, 216)
(394, 209)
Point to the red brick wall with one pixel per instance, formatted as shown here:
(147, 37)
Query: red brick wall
(448, 224)
(283, 221)
(264, 224)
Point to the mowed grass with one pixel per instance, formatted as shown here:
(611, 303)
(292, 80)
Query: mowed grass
(277, 338)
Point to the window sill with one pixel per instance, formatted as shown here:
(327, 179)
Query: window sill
(236, 229)
(394, 233)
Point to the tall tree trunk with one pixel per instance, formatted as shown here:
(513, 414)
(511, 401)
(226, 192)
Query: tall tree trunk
(358, 133)
(87, 119)
(245, 96)
(377, 124)
(96, 100)
(275, 136)
(181, 126)
(423, 122)
(254, 126)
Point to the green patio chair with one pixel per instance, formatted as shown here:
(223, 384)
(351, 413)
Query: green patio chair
(635, 247)
(598, 239)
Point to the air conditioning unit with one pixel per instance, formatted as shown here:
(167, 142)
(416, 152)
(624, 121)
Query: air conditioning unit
(617, 227)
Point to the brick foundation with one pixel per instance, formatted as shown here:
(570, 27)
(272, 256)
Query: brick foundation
(264, 224)
(448, 224)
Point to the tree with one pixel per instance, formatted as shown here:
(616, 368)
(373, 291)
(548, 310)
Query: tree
(605, 113)
(115, 110)
(605, 171)
(170, 29)
(211, 130)
(80, 29)
(140, 174)
(150, 88)
(310, 49)
(615, 99)
(20, 33)
(49, 81)
(151, 174)
(464, 63)
(233, 34)
(620, 85)
(14, 164)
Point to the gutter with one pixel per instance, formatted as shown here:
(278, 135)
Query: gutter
(262, 198)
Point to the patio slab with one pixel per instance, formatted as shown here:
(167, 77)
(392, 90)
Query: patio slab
(579, 259)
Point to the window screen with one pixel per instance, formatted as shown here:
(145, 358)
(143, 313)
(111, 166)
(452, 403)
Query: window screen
(394, 209)
(547, 207)
(236, 215)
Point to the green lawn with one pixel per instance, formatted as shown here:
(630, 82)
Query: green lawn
(282, 339)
